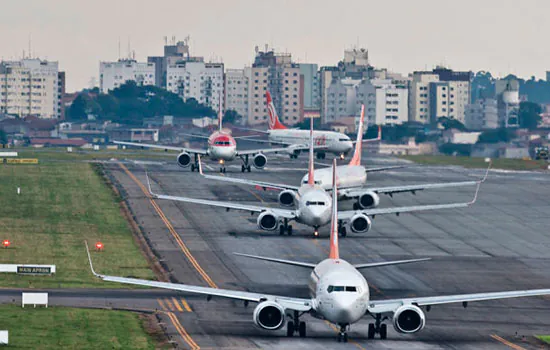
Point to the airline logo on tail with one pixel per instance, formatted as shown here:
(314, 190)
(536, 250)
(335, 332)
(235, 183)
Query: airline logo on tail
(356, 160)
(274, 122)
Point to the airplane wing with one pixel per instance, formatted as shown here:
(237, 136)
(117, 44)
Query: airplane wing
(289, 147)
(357, 191)
(348, 214)
(384, 168)
(297, 304)
(390, 305)
(282, 213)
(163, 147)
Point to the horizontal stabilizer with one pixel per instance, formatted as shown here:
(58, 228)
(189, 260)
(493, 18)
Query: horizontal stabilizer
(388, 263)
(279, 261)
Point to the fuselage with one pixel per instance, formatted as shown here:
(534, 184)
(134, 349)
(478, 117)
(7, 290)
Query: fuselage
(335, 142)
(222, 146)
(347, 175)
(340, 292)
(314, 206)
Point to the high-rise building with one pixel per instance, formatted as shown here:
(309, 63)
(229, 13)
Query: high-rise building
(236, 92)
(199, 80)
(174, 53)
(309, 72)
(30, 87)
(341, 99)
(482, 114)
(61, 94)
(391, 102)
(277, 73)
(439, 93)
(115, 74)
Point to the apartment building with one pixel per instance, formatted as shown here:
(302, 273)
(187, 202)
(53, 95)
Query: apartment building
(236, 92)
(114, 74)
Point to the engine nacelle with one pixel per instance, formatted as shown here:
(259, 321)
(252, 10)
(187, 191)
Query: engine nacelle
(287, 198)
(409, 319)
(184, 159)
(268, 221)
(360, 223)
(259, 161)
(368, 199)
(269, 315)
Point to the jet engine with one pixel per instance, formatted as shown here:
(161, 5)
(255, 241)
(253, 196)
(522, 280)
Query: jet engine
(360, 223)
(268, 221)
(259, 161)
(368, 199)
(269, 315)
(409, 319)
(287, 198)
(184, 159)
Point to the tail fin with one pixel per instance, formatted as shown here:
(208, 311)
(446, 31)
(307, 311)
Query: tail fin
(274, 122)
(311, 177)
(356, 160)
(220, 114)
(334, 251)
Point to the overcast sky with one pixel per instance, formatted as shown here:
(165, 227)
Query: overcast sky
(502, 36)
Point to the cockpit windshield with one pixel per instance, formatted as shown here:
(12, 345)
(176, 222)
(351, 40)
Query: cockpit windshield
(342, 289)
(316, 182)
(308, 203)
(343, 139)
(222, 143)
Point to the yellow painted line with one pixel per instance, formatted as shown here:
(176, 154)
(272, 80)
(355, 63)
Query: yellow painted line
(351, 341)
(186, 305)
(186, 337)
(506, 342)
(173, 232)
(169, 304)
(161, 303)
(176, 304)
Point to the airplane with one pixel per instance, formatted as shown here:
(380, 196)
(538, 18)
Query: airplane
(339, 294)
(222, 146)
(313, 207)
(296, 140)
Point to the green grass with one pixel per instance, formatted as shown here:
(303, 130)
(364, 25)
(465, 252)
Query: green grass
(61, 205)
(471, 162)
(71, 328)
(60, 154)
(544, 338)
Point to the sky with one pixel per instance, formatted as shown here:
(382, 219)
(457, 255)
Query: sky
(500, 36)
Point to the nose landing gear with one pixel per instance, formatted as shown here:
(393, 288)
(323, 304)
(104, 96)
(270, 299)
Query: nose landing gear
(343, 334)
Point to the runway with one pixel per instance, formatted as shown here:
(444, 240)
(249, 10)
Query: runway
(499, 244)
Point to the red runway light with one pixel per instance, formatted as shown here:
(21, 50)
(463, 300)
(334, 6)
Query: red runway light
(6, 243)
(99, 246)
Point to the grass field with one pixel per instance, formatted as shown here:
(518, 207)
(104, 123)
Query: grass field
(470, 162)
(61, 205)
(544, 338)
(48, 154)
(70, 328)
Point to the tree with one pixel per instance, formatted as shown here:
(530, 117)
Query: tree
(77, 110)
(232, 116)
(496, 135)
(529, 115)
(448, 123)
(3, 137)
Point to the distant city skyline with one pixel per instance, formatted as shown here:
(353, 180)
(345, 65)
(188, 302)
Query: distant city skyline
(502, 37)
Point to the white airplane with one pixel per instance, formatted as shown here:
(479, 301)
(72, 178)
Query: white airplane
(339, 294)
(297, 140)
(222, 147)
(313, 207)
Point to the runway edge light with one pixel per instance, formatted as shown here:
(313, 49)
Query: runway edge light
(6, 243)
(99, 246)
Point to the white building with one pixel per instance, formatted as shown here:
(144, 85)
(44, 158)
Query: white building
(236, 92)
(199, 80)
(30, 87)
(115, 74)
(341, 100)
(482, 114)
(386, 103)
(419, 101)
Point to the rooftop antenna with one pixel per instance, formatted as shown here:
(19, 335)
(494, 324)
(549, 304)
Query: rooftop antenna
(30, 52)
(119, 47)
(129, 51)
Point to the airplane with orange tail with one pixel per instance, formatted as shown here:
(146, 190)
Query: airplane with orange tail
(339, 294)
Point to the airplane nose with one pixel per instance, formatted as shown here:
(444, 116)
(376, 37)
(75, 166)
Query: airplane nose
(345, 311)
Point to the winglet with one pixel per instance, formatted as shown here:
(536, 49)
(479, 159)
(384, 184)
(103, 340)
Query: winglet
(334, 251)
(480, 182)
(90, 260)
(356, 160)
(200, 164)
(149, 186)
(311, 175)
(487, 172)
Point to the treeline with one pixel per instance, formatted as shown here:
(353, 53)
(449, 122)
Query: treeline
(538, 91)
(130, 104)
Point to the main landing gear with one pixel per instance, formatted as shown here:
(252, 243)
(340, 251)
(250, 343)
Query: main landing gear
(321, 155)
(377, 328)
(246, 165)
(295, 326)
(285, 227)
(342, 231)
(343, 334)
(195, 165)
